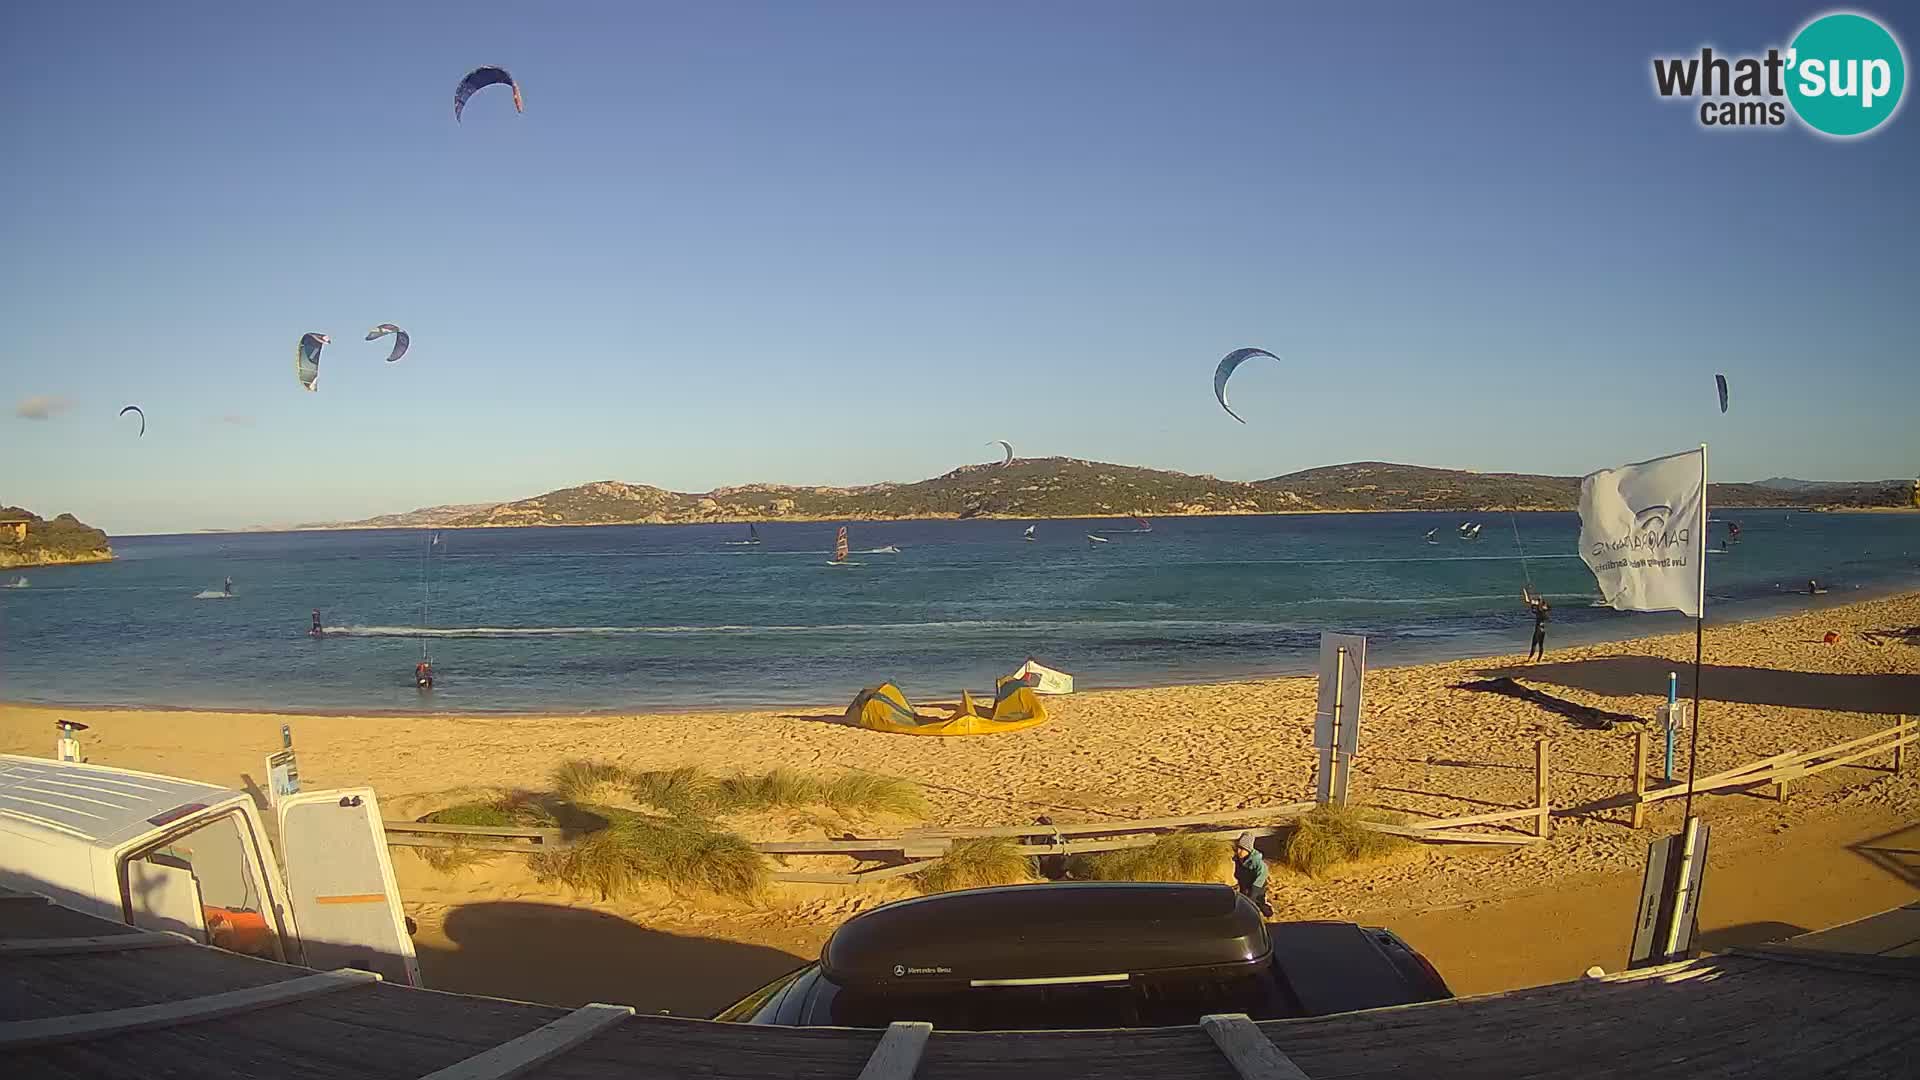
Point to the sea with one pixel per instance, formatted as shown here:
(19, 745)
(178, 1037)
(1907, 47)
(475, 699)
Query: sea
(654, 617)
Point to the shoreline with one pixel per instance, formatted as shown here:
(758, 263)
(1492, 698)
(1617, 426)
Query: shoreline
(1756, 610)
(1803, 508)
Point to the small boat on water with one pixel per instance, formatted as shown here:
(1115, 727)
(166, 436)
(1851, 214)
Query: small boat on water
(16, 583)
(1145, 525)
(752, 540)
(1028, 535)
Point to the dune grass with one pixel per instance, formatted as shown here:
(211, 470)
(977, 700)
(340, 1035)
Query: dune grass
(975, 864)
(689, 791)
(519, 811)
(682, 853)
(592, 782)
(1332, 836)
(1174, 857)
(682, 791)
(875, 794)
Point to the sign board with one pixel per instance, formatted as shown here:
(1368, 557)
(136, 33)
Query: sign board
(1673, 716)
(1670, 897)
(283, 776)
(1336, 718)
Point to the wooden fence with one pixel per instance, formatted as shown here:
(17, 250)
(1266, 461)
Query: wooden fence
(1778, 770)
(912, 850)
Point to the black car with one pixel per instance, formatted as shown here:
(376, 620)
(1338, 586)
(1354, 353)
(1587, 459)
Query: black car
(1088, 955)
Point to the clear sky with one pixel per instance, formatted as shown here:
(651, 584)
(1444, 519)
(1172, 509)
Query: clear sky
(842, 243)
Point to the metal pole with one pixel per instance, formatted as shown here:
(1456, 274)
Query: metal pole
(1673, 696)
(1336, 776)
(1699, 634)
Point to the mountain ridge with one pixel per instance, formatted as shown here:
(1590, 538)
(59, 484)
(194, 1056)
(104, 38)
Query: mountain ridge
(1059, 487)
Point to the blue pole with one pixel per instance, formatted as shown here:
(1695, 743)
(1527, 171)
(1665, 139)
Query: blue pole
(1673, 696)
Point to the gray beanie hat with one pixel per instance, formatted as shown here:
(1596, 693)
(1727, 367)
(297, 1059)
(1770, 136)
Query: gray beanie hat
(1244, 841)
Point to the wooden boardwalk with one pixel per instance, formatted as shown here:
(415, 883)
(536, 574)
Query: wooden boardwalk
(1844, 1002)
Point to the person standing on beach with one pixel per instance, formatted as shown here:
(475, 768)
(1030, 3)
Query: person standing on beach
(1250, 873)
(1542, 611)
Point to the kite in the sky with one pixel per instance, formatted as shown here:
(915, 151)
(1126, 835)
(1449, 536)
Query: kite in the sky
(1721, 382)
(400, 339)
(1225, 371)
(137, 410)
(306, 359)
(1009, 448)
(479, 78)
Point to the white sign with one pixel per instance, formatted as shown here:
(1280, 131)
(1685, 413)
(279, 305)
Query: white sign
(1673, 716)
(283, 776)
(1336, 719)
(1643, 533)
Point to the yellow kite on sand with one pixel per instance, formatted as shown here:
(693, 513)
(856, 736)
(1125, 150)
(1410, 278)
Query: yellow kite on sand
(885, 708)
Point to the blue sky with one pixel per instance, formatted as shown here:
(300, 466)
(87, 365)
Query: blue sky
(844, 243)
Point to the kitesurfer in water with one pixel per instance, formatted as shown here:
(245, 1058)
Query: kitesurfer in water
(423, 675)
(1542, 611)
(316, 631)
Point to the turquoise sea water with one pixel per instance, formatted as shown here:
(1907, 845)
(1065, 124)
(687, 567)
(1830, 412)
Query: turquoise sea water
(641, 617)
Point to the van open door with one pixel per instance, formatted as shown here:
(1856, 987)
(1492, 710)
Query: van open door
(162, 894)
(346, 907)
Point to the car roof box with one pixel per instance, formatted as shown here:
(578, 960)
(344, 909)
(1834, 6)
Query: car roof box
(1042, 934)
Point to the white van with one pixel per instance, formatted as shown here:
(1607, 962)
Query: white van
(167, 854)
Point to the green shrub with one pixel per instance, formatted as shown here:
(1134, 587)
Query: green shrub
(516, 811)
(685, 790)
(975, 864)
(1331, 836)
(1175, 857)
(682, 853)
(592, 782)
(875, 794)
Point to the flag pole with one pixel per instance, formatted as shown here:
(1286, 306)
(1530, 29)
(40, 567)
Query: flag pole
(1699, 633)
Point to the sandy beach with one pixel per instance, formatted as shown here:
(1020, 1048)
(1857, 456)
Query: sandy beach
(1429, 747)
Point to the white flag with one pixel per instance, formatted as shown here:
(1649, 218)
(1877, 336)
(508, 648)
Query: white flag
(1643, 532)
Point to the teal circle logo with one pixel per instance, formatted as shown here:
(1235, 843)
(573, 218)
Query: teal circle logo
(1845, 74)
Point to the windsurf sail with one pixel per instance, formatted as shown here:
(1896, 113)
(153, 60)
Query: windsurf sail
(840, 545)
(1028, 535)
(1145, 525)
(753, 535)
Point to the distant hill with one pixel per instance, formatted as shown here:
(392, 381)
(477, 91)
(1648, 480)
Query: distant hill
(1377, 485)
(62, 540)
(425, 517)
(1069, 487)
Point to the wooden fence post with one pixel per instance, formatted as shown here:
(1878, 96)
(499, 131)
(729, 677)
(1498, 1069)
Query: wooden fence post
(1544, 826)
(1900, 748)
(1639, 778)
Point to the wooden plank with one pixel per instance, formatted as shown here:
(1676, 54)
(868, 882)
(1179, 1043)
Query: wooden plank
(1477, 819)
(1445, 837)
(474, 843)
(884, 846)
(17, 1034)
(898, 1055)
(1809, 755)
(1754, 766)
(1798, 771)
(1543, 825)
(851, 877)
(68, 946)
(24, 897)
(536, 1047)
(1252, 1055)
(1097, 828)
(1639, 810)
(1898, 967)
(430, 829)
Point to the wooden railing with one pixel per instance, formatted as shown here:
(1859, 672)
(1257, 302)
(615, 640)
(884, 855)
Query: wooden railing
(1778, 770)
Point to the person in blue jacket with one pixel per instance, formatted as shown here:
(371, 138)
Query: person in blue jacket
(1250, 873)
